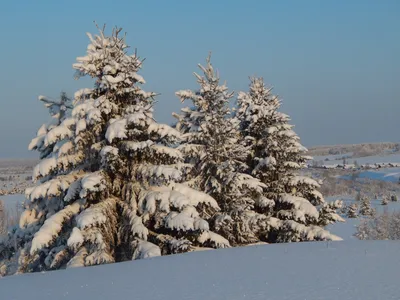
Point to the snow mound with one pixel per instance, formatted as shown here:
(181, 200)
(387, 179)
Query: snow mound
(351, 270)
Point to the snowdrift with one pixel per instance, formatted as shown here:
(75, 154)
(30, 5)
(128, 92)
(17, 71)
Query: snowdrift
(330, 271)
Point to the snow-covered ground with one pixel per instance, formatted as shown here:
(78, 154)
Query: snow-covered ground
(330, 271)
(345, 230)
(350, 269)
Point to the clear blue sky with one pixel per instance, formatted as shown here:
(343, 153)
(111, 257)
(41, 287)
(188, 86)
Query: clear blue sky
(336, 64)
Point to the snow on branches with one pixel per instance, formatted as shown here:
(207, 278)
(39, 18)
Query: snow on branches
(274, 157)
(211, 143)
(109, 181)
(113, 184)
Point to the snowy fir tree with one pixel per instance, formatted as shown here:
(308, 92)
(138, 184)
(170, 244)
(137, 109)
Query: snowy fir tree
(352, 211)
(365, 207)
(385, 200)
(211, 146)
(46, 142)
(328, 213)
(275, 156)
(109, 184)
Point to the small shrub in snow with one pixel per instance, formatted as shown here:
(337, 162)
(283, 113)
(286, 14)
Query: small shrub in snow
(352, 211)
(365, 207)
(385, 200)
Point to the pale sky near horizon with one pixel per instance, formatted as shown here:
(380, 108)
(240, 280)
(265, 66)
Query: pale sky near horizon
(335, 64)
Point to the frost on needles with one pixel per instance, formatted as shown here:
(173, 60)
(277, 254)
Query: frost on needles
(109, 183)
(275, 157)
(211, 144)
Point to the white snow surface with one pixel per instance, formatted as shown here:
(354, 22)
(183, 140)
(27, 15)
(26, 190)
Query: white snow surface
(351, 270)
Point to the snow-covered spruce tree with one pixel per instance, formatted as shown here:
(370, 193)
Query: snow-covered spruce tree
(109, 190)
(328, 213)
(275, 157)
(48, 139)
(365, 207)
(352, 211)
(211, 146)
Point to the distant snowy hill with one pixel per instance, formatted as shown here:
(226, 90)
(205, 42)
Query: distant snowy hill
(330, 271)
(389, 174)
(355, 150)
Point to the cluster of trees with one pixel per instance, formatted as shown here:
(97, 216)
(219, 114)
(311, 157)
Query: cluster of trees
(384, 226)
(115, 185)
(374, 225)
(363, 206)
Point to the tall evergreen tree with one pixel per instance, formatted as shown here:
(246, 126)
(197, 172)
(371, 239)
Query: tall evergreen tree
(109, 190)
(275, 158)
(211, 146)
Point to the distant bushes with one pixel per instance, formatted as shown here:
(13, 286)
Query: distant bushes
(384, 226)
(358, 150)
